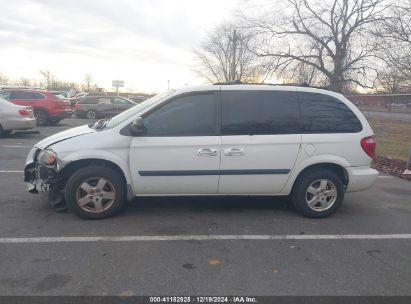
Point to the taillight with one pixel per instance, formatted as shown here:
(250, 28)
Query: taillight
(77, 106)
(368, 144)
(24, 112)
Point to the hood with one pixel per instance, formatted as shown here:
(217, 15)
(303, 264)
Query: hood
(78, 131)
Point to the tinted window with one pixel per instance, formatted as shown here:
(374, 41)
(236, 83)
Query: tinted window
(36, 96)
(104, 100)
(21, 95)
(188, 115)
(325, 114)
(89, 101)
(120, 101)
(259, 112)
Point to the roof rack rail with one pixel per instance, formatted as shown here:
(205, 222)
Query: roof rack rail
(304, 84)
(231, 82)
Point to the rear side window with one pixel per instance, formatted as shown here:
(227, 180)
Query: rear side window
(259, 112)
(36, 96)
(25, 95)
(105, 100)
(21, 95)
(89, 101)
(325, 114)
(120, 101)
(189, 115)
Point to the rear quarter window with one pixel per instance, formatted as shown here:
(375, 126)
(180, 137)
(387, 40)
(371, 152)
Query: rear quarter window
(325, 114)
(89, 101)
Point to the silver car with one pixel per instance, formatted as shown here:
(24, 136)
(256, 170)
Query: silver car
(14, 117)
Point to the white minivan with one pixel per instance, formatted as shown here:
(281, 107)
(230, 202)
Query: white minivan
(310, 144)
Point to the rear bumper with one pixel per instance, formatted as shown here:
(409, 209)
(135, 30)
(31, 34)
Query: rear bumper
(361, 178)
(19, 124)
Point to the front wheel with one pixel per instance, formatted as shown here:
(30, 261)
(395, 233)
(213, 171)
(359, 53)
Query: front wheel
(95, 192)
(318, 193)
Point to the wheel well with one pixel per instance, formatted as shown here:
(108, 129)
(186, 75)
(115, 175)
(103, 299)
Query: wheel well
(44, 110)
(341, 172)
(68, 170)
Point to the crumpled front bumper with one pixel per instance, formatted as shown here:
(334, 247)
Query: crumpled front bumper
(39, 177)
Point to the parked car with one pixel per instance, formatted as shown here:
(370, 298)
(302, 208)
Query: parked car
(14, 117)
(101, 106)
(48, 108)
(312, 145)
(397, 105)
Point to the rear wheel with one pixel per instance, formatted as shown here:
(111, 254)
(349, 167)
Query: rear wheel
(54, 121)
(42, 117)
(95, 192)
(318, 193)
(91, 114)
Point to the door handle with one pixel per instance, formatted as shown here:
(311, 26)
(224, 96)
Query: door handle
(207, 152)
(234, 152)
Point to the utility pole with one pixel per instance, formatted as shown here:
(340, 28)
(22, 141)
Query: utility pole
(233, 63)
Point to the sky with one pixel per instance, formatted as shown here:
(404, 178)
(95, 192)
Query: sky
(143, 42)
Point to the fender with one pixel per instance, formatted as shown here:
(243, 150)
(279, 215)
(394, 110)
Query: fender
(302, 164)
(99, 154)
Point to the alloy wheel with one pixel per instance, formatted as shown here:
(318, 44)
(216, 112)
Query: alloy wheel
(95, 195)
(91, 114)
(321, 195)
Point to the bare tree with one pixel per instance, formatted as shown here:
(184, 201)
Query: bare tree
(216, 61)
(88, 82)
(24, 82)
(48, 77)
(4, 80)
(395, 75)
(332, 36)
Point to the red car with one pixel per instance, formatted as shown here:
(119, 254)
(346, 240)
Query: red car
(48, 108)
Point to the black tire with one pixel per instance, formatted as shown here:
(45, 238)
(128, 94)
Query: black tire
(42, 118)
(81, 176)
(56, 199)
(54, 122)
(2, 132)
(300, 193)
(91, 114)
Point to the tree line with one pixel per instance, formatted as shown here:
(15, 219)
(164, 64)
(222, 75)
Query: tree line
(342, 45)
(50, 82)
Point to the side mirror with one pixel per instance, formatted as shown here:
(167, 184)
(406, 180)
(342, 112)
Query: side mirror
(137, 126)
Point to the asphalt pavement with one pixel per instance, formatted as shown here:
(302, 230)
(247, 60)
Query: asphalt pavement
(201, 245)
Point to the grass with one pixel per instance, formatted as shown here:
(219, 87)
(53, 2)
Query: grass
(384, 109)
(393, 137)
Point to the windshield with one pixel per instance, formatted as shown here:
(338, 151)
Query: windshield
(116, 120)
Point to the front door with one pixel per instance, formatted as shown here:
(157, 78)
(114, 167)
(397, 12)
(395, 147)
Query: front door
(260, 140)
(180, 150)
